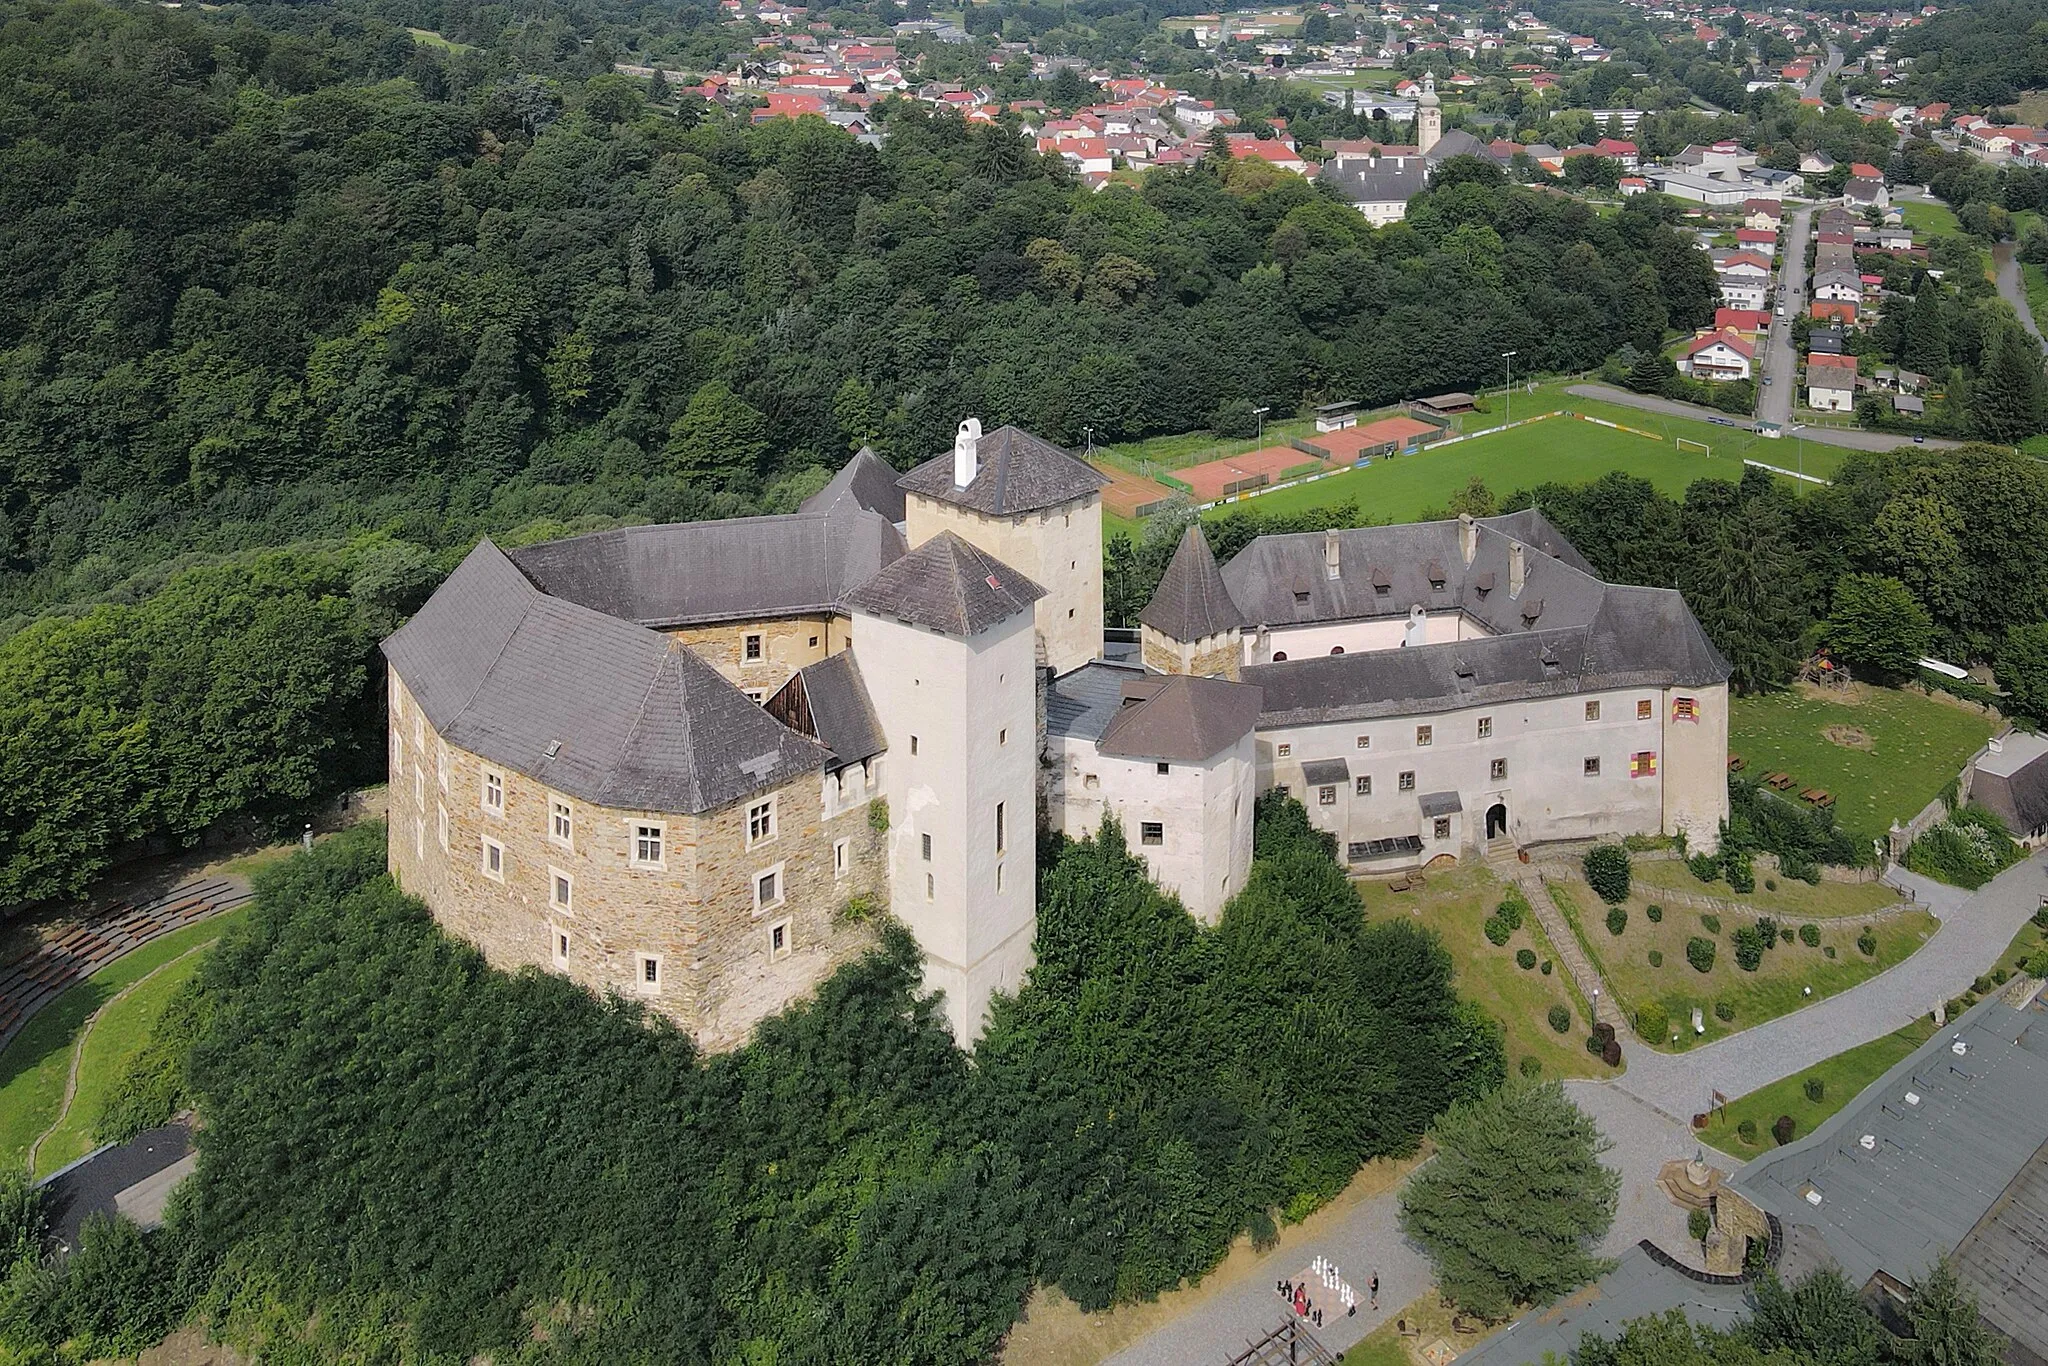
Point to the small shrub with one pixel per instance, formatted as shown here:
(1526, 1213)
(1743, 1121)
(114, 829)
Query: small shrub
(1546, 967)
(1809, 935)
(878, 815)
(1603, 1031)
(1866, 943)
(1617, 919)
(1610, 1053)
(1525, 959)
(1653, 1022)
(1655, 912)
(1512, 908)
(1816, 1089)
(1560, 1019)
(1724, 1012)
(1967, 850)
(1656, 958)
(1741, 876)
(859, 909)
(1705, 867)
(1784, 1129)
(1982, 985)
(1595, 1044)
(1749, 947)
(1530, 1067)
(1700, 953)
(1784, 934)
(2041, 918)
(1746, 1131)
(1767, 930)
(1698, 1225)
(1770, 884)
(1607, 872)
(1828, 952)
(1497, 931)
(1711, 923)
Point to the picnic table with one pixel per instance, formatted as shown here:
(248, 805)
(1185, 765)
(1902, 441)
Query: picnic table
(1819, 796)
(1778, 782)
(1735, 763)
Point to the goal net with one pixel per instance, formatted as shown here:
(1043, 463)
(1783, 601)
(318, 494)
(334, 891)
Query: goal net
(1684, 441)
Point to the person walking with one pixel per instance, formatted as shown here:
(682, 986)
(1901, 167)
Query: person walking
(1375, 1288)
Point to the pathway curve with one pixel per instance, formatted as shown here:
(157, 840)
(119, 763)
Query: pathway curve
(2005, 269)
(1966, 946)
(1565, 945)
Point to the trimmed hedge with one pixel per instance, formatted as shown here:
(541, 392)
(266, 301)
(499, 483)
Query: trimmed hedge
(1700, 953)
(1560, 1019)
(1607, 872)
(1617, 919)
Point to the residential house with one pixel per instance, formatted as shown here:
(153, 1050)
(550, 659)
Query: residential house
(1717, 356)
(1831, 383)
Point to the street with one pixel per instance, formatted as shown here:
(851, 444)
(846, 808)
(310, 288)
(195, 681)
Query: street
(1781, 358)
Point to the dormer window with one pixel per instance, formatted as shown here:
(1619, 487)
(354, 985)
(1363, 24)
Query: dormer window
(1300, 597)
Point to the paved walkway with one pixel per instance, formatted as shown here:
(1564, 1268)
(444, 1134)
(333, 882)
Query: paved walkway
(1565, 945)
(1971, 937)
(1938, 897)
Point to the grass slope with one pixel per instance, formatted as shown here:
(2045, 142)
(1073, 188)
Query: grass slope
(1842, 1077)
(1910, 746)
(35, 1065)
(1456, 905)
(1791, 899)
(1777, 987)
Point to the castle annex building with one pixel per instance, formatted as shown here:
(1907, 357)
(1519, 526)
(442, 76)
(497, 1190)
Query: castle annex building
(690, 762)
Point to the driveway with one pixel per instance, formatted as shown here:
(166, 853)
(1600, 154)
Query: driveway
(1966, 946)
(1851, 438)
(1781, 358)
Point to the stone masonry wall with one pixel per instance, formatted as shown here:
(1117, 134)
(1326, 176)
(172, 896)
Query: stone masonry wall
(787, 644)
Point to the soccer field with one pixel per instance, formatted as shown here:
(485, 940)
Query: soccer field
(1558, 450)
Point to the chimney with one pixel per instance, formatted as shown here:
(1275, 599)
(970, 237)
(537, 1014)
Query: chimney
(1517, 571)
(966, 453)
(1330, 560)
(1468, 536)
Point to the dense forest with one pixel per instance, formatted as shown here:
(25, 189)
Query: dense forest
(1977, 55)
(408, 1152)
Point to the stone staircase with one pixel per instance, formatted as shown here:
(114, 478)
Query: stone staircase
(1565, 945)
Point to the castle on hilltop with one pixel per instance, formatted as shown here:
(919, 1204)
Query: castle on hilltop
(689, 762)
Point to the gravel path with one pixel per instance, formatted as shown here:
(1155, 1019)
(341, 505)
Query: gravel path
(1972, 935)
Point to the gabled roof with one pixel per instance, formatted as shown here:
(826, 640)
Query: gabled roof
(1017, 473)
(686, 573)
(595, 707)
(829, 702)
(947, 585)
(868, 482)
(1385, 181)
(1734, 343)
(1191, 602)
(2013, 783)
(1180, 718)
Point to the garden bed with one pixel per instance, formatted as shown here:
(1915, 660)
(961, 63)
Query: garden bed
(1841, 1079)
(1777, 986)
(1791, 897)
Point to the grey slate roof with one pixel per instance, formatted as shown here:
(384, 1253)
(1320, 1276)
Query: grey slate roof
(1457, 143)
(1386, 181)
(1182, 719)
(868, 482)
(1082, 702)
(687, 573)
(635, 720)
(1017, 473)
(1638, 1287)
(948, 585)
(1191, 601)
(829, 701)
(1440, 803)
(1323, 772)
(2013, 784)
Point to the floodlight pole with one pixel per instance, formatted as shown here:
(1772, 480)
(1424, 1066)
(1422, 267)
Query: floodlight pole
(1509, 391)
(1260, 413)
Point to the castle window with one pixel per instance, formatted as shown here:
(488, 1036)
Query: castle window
(1645, 709)
(1592, 765)
(1003, 736)
(647, 976)
(760, 822)
(397, 753)
(1362, 785)
(561, 890)
(1443, 827)
(756, 695)
(1685, 709)
(1284, 750)
(419, 836)
(648, 841)
(1326, 795)
(494, 792)
(1279, 655)
(419, 729)
(558, 942)
(924, 844)
(1643, 764)
(1336, 649)
(778, 940)
(1499, 769)
(441, 764)
(561, 822)
(751, 651)
(1407, 782)
(1486, 727)
(419, 789)
(1425, 735)
(1164, 768)
(1300, 598)
(1002, 831)
(494, 860)
(999, 876)
(1592, 711)
(1151, 832)
(814, 642)
(842, 857)
(441, 823)
(913, 746)
(768, 889)
(931, 887)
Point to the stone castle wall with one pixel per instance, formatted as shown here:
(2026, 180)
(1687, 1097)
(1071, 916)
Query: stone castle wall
(787, 645)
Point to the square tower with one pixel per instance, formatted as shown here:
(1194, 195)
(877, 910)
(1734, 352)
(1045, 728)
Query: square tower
(1032, 506)
(944, 639)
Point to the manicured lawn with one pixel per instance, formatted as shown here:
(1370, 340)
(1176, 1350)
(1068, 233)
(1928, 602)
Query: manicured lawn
(1842, 1078)
(426, 37)
(1931, 218)
(33, 1069)
(120, 1033)
(1456, 905)
(2029, 941)
(1883, 752)
(1731, 445)
(1791, 898)
(1777, 987)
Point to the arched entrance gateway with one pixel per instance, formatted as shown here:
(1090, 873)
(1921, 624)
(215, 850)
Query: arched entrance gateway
(1496, 820)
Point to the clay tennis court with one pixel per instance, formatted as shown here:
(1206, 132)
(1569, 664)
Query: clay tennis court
(1214, 480)
(1129, 495)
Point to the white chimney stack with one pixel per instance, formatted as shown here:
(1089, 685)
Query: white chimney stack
(1468, 536)
(966, 453)
(1332, 565)
(1516, 569)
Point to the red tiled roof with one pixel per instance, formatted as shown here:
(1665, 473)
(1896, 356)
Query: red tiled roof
(1744, 349)
(1836, 362)
(1741, 319)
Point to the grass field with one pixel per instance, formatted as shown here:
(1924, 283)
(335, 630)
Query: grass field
(1842, 1078)
(1456, 905)
(1931, 218)
(124, 1026)
(428, 38)
(1791, 897)
(1777, 987)
(35, 1065)
(1891, 753)
(2035, 280)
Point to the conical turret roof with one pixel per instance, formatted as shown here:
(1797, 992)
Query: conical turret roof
(1192, 602)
